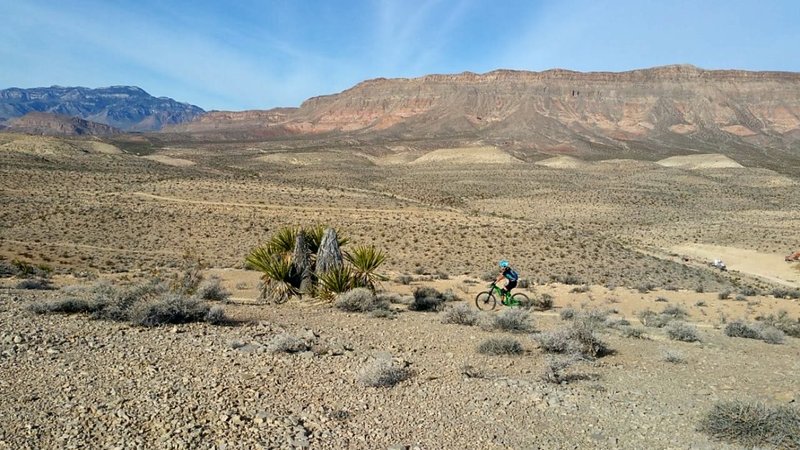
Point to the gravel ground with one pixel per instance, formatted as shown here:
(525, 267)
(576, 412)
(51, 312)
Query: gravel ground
(72, 382)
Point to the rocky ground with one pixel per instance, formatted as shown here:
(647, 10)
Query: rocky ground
(72, 382)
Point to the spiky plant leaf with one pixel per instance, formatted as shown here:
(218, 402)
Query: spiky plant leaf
(276, 273)
(335, 281)
(282, 242)
(314, 235)
(365, 260)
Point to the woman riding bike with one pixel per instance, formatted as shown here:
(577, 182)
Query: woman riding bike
(509, 274)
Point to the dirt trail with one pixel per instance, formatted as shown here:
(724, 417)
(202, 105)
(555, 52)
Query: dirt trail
(769, 266)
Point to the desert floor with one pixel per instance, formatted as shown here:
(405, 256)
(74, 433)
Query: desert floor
(638, 234)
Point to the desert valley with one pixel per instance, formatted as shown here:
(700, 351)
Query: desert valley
(131, 318)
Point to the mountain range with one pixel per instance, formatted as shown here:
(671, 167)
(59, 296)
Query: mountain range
(648, 113)
(126, 108)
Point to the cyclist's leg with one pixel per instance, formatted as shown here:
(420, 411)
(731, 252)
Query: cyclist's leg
(510, 285)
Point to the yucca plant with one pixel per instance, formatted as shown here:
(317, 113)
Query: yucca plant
(365, 260)
(335, 281)
(276, 273)
(282, 242)
(314, 235)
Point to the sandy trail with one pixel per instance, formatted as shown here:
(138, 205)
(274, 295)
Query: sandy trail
(769, 266)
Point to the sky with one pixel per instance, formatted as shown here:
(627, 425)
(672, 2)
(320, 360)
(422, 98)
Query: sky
(251, 54)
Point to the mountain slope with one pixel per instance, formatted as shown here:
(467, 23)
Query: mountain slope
(124, 107)
(57, 125)
(650, 113)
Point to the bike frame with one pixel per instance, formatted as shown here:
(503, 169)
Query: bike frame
(505, 297)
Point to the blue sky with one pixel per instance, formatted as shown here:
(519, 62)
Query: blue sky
(252, 54)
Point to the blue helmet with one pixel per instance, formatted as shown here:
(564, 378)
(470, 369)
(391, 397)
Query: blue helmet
(503, 263)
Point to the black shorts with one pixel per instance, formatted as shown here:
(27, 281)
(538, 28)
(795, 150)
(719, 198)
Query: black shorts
(510, 285)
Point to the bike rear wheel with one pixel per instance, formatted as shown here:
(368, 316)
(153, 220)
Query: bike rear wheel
(485, 301)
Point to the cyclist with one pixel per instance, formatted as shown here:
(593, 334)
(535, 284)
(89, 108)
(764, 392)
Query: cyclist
(509, 274)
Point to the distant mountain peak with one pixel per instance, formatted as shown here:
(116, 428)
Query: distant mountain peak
(129, 108)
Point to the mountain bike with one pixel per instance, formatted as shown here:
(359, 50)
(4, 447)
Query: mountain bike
(487, 300)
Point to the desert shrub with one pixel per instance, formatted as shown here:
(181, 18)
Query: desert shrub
(286, 343)
(35, 284)
(28, 270)
(580, 289)
(489, 276)
(700, 303)
(662, 299)
(427, 299)
(212, 289)
(783, 322)
(359, 300)
(753, 424)
(500, 346)
(442, 275)
(673, 356)
(741, 329)
(189, 278)
(383, 372)
(403, 279)
(461, 315)
(514, 320)
(449, 296)
(781, 292)
(389, 297)
(724, 295)
(682, 331)
(113, 303)
(740, 297)
(567, 314)
(216, 316)
(748, 291)
(471, 371)
(63, 306)
(570, 279)
(659, 320)
(544, 302)
(383, 313)
(7, 269)
(554, 369)
(761, 331)
(633, 332)
(772, 335)
(645, 287)
(576, 338)
(593, 318)
(524, 283)
(169, 309)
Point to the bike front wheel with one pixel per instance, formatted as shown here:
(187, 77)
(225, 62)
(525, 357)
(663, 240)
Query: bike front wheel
(485, 301)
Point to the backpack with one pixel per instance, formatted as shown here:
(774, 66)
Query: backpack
(511, 274)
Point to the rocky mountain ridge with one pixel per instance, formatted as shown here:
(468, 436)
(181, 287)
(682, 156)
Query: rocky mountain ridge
(663, 110)
(128, 108)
